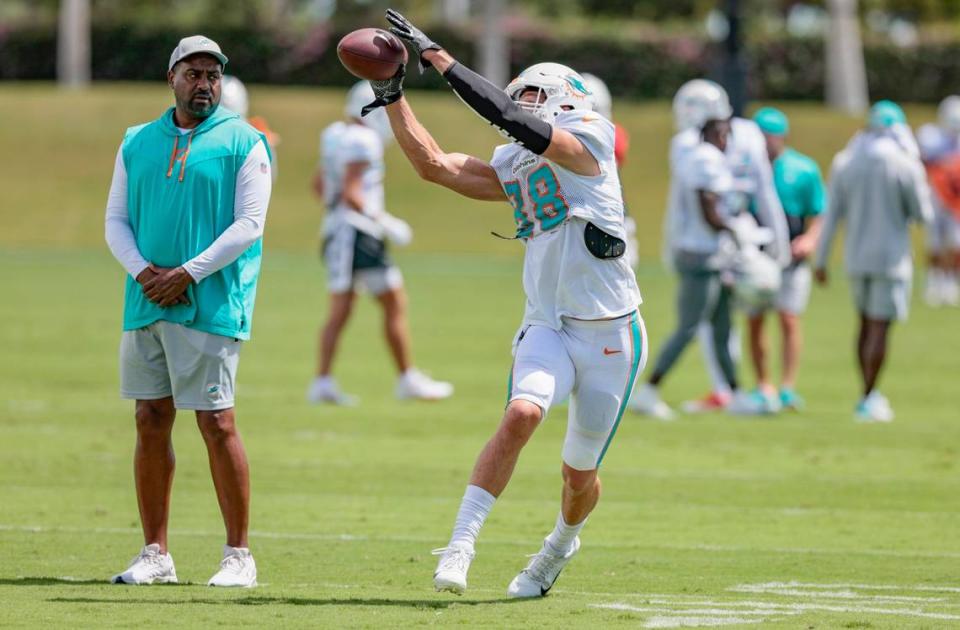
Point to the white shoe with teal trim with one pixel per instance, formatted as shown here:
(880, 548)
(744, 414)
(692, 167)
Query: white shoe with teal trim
(451, 573)
(543, 570)
(149, 567)
(874, 408)
(415, 384)
(324, 389)
(237, 569)
(646, 400)
(755, 403)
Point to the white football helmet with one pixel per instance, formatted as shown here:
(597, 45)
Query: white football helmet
(933, 142)
(233, 95)
(948, 114)
(757, 278)
(602, 101)
(564, 89)
(698, 102)
(360, 95)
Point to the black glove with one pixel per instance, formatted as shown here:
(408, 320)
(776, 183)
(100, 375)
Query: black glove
(403, 29)
(386, 91)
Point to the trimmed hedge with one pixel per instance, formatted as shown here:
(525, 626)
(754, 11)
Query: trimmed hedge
(781, 69)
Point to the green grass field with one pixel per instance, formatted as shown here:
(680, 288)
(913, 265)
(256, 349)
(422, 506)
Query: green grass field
(804, 521)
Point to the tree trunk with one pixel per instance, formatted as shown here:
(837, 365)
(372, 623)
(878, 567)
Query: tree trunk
(846, 80)
(494, 47)
(73, 44)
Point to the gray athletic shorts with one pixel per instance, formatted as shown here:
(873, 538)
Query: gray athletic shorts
(794, 294)
(356, 260)
(879, 297)
(165, 359)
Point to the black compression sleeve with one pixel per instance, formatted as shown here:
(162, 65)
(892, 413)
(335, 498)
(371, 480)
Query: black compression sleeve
(493, 105)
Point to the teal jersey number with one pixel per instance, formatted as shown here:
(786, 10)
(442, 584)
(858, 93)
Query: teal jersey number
(549, 206)
(524, 224)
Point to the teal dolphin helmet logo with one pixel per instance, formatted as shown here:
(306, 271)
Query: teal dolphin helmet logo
(577, 84)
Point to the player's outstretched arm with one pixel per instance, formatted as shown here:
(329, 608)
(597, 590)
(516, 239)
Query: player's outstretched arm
(461, 173)
(493, 105)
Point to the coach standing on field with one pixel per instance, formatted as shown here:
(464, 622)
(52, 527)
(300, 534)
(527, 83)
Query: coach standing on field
(185, 218)
(878, 187)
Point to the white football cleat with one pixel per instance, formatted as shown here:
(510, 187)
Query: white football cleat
(646, 400)
(236, 569)
(451, 573)
(755, 403)
(324, 389)
(415, 384)
(149, 567)
(542, 571)
(874, 408)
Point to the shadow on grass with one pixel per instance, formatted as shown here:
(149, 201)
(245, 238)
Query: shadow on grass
(60, 581)
(295, 601)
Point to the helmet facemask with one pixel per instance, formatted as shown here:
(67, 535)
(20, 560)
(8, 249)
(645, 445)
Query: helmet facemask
(558, 88)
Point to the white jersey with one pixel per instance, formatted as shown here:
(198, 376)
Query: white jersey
(552, 206)
(704, 167)
(345, 143)
(753, 186)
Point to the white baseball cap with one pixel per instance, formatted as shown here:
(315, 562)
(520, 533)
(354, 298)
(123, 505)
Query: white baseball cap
(196, 44)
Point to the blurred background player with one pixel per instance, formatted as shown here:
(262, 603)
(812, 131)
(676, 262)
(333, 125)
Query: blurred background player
(356, 227)
(603, 104)
(581, 335)
(877, 186)
(751, 189)
(235, 98)
(940, 151)
(700, 207)
(801, 191)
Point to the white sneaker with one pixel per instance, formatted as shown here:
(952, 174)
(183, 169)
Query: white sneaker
(149, 567)
(646, 400)
(874, 408)
(415, 384)
(451, 573)
(538, 578)
(236, 569)
(755, 403)
(324, 389)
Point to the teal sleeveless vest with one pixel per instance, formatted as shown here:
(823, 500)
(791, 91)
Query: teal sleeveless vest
(180, 198)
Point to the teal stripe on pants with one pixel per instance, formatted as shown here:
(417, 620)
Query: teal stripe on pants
(637, 345)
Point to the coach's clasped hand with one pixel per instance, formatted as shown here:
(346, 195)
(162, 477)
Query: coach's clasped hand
(165, 286)
(402, 28)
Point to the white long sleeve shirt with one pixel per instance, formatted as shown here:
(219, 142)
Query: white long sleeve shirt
(252, 196)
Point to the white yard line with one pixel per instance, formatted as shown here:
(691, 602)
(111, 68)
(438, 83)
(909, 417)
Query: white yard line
(763, 586)
(794, 608)
(431, 540)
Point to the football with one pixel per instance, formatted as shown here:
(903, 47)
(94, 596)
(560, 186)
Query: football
(371, 53)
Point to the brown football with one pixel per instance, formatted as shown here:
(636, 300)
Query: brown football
(371, 53)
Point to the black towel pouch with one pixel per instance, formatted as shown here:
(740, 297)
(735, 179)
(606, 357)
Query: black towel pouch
(601, 244)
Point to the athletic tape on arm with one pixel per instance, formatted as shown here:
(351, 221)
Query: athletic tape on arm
(494, 106)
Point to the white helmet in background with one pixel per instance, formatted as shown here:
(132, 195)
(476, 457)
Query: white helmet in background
(564, 89)
(360, 95)
(233, 95)
(934, 144)
(698, 102)
(602, 101)
(948, 114)
(757, 279)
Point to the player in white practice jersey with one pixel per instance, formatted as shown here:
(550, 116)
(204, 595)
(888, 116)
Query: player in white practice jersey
(356, 228)
(581, 334)
(751, 190)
